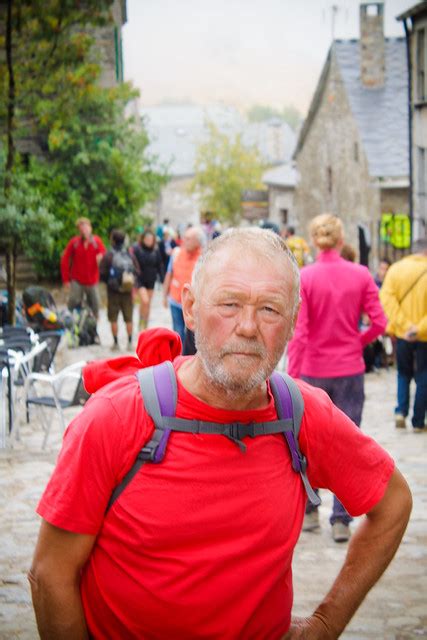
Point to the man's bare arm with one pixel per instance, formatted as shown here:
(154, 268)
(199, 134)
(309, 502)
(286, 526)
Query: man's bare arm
(55, 578)
(370, 551)
(166, 285)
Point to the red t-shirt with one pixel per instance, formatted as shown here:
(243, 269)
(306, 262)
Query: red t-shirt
(79, 263)
(201, 545)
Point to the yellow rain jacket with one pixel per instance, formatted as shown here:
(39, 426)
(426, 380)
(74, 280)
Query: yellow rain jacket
(404, 296)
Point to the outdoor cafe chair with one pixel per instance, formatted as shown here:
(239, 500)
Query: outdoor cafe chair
(66, 390)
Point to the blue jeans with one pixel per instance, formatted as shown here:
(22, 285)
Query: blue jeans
(178, 321)
(412, 363)
(347, 393)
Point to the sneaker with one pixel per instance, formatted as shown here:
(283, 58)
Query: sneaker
(115, 346)
(311, 521)
(419, 429)
(340, 531)
(400, 421)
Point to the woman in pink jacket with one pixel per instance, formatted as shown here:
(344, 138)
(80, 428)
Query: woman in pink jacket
(327, 347)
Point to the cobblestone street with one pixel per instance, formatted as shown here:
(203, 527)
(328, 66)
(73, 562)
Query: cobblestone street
(396, 609)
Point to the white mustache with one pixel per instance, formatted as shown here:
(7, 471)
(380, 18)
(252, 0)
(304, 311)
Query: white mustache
(249, 350)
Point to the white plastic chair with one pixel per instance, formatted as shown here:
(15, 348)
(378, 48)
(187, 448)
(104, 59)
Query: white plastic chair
(58, 398)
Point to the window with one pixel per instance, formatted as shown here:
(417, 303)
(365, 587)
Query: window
(284, 216)
(421, 65)
(329, 181)
(118, 55)
(356, 152)
(422, 182)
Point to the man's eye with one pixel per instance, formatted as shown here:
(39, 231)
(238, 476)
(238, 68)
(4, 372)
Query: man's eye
(270, 310)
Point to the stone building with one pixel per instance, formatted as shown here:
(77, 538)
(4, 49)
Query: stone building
(352, 151)
(415, 23)
(280, 182)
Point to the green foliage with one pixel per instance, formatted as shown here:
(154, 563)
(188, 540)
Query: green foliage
(224, 168)
(262, 113)
(25, 221)
(86, 157)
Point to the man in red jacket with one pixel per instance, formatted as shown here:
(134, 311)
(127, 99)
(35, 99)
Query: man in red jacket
(80, 267)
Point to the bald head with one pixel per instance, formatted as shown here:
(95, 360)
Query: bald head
(193, 239)
(262, 243)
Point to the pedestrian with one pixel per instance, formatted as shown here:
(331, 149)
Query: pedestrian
(151, 267)
(166, 245)
(201, 545)
(117, 270)
(327, 348)
(80, 267)
(298, 246)
(383, 267)
(404, 297)
(180, 269)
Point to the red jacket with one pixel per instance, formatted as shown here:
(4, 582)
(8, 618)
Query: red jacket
(79, 262)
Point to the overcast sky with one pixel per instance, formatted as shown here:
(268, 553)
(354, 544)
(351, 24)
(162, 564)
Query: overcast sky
(237, 51)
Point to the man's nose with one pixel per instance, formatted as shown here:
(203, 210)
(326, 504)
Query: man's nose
(247, 322)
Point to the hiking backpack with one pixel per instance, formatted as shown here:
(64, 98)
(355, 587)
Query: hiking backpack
(121, 275)
(159, 391)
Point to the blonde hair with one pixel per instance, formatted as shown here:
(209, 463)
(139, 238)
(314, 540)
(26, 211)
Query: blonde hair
(326, 231)
(82, 221)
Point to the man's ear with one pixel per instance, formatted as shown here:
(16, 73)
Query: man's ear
(188, 302)
(294, 322)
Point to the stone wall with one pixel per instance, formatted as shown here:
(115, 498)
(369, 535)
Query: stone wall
(281, 200)
(419, 134)
(332, 166)
(176, 203)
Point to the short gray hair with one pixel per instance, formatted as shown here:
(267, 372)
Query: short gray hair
(266, 240)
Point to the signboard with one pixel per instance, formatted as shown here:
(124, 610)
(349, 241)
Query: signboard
(254, 203)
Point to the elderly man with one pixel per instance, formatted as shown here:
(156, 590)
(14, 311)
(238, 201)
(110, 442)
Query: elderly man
(201, 545)
(180, 269)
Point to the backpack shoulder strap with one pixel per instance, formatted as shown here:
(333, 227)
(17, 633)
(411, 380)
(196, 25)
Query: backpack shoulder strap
(290, 404)
(159, 391)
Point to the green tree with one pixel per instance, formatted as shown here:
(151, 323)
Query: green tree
(224, 168)
(96, 166)
(87, 157)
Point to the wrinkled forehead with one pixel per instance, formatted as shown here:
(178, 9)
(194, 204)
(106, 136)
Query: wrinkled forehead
(224, 260)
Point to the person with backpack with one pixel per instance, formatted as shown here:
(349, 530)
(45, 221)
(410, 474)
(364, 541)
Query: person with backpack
(150, 267)
(179, 494)
(80, 267)
(117, 270)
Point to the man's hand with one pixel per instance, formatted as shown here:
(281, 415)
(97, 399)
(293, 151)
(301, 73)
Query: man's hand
(311, 628)
(370, 550)
(412, 334)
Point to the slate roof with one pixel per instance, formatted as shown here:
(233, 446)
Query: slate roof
(381, 113)
(284, 175)
(176, 130)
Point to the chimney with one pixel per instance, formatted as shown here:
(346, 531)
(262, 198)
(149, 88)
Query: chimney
(372, 46)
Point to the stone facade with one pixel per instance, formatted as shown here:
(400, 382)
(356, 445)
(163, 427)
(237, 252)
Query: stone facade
(419, 119)
(333, 169)
(176, 203)
(281, 205)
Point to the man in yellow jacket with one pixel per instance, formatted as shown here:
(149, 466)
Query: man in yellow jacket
(404, 298)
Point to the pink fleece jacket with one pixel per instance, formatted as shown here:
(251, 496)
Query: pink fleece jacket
(327, 342)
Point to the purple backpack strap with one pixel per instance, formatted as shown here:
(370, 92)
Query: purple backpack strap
(159, 391)
(290, 405)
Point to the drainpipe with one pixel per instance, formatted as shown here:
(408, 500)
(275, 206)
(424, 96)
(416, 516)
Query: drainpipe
(410, 118)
